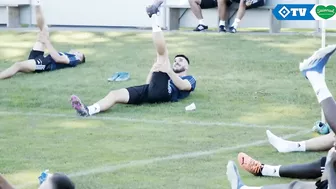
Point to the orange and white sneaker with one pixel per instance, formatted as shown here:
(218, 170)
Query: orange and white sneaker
(249, 164)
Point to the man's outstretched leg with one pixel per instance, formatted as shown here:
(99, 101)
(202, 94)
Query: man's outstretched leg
(311, 170)
(157, 34)
(321, 143)
(236, 182)
(25, 66)
(40, 21)
(158, 85)
(112, 98)
(312, 68)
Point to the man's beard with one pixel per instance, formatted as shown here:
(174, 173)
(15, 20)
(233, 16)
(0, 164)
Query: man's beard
(179, 70)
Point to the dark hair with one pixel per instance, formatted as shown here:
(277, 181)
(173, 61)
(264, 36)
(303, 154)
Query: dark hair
(61, 181)
(83, 61)
(183, 56)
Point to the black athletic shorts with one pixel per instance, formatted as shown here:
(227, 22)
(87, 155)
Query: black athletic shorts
(255, 3)
(42, 63)
(154, 92)
(322, 184)
(209, 4)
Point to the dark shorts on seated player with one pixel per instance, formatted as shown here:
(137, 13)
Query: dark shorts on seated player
(209, 4)
(42, 63)
(255, 3)
(154, 92)
(322, 184)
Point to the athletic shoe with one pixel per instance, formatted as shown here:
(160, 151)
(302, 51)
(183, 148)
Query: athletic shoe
(77, 104)
(232, 29)
(154, 8)
(318, 60)
(222, 28)
(249, 164)
(200, 28)
(233, 176)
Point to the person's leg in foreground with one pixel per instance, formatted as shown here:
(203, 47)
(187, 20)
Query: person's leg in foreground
(320, 143)
(156, 89)
(311, 170)
(330, 170)
(237, 183)
(313, 68)
(29, 65)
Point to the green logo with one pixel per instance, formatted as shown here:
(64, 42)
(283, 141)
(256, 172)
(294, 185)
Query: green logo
(325, 12)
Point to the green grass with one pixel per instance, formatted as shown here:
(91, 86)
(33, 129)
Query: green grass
(241, 78)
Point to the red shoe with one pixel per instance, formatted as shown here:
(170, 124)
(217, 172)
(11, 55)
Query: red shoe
(249, 164)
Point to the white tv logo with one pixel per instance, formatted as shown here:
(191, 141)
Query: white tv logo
(284, 11)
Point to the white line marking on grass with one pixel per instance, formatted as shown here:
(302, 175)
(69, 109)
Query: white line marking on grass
(196, 154)
(159, 122)
(114, 168)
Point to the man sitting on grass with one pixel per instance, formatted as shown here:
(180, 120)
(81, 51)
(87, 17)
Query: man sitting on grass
(164, 83)
(37, 62)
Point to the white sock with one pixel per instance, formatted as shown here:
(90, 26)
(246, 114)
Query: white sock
(94, 109)
(236, 23)
(319, 85)
(201, 21)
(249, 187)
(222, 23)
(272, 171)
(155, 23)
(284, 145)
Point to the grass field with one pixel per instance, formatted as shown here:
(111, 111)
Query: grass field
(246, 84)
